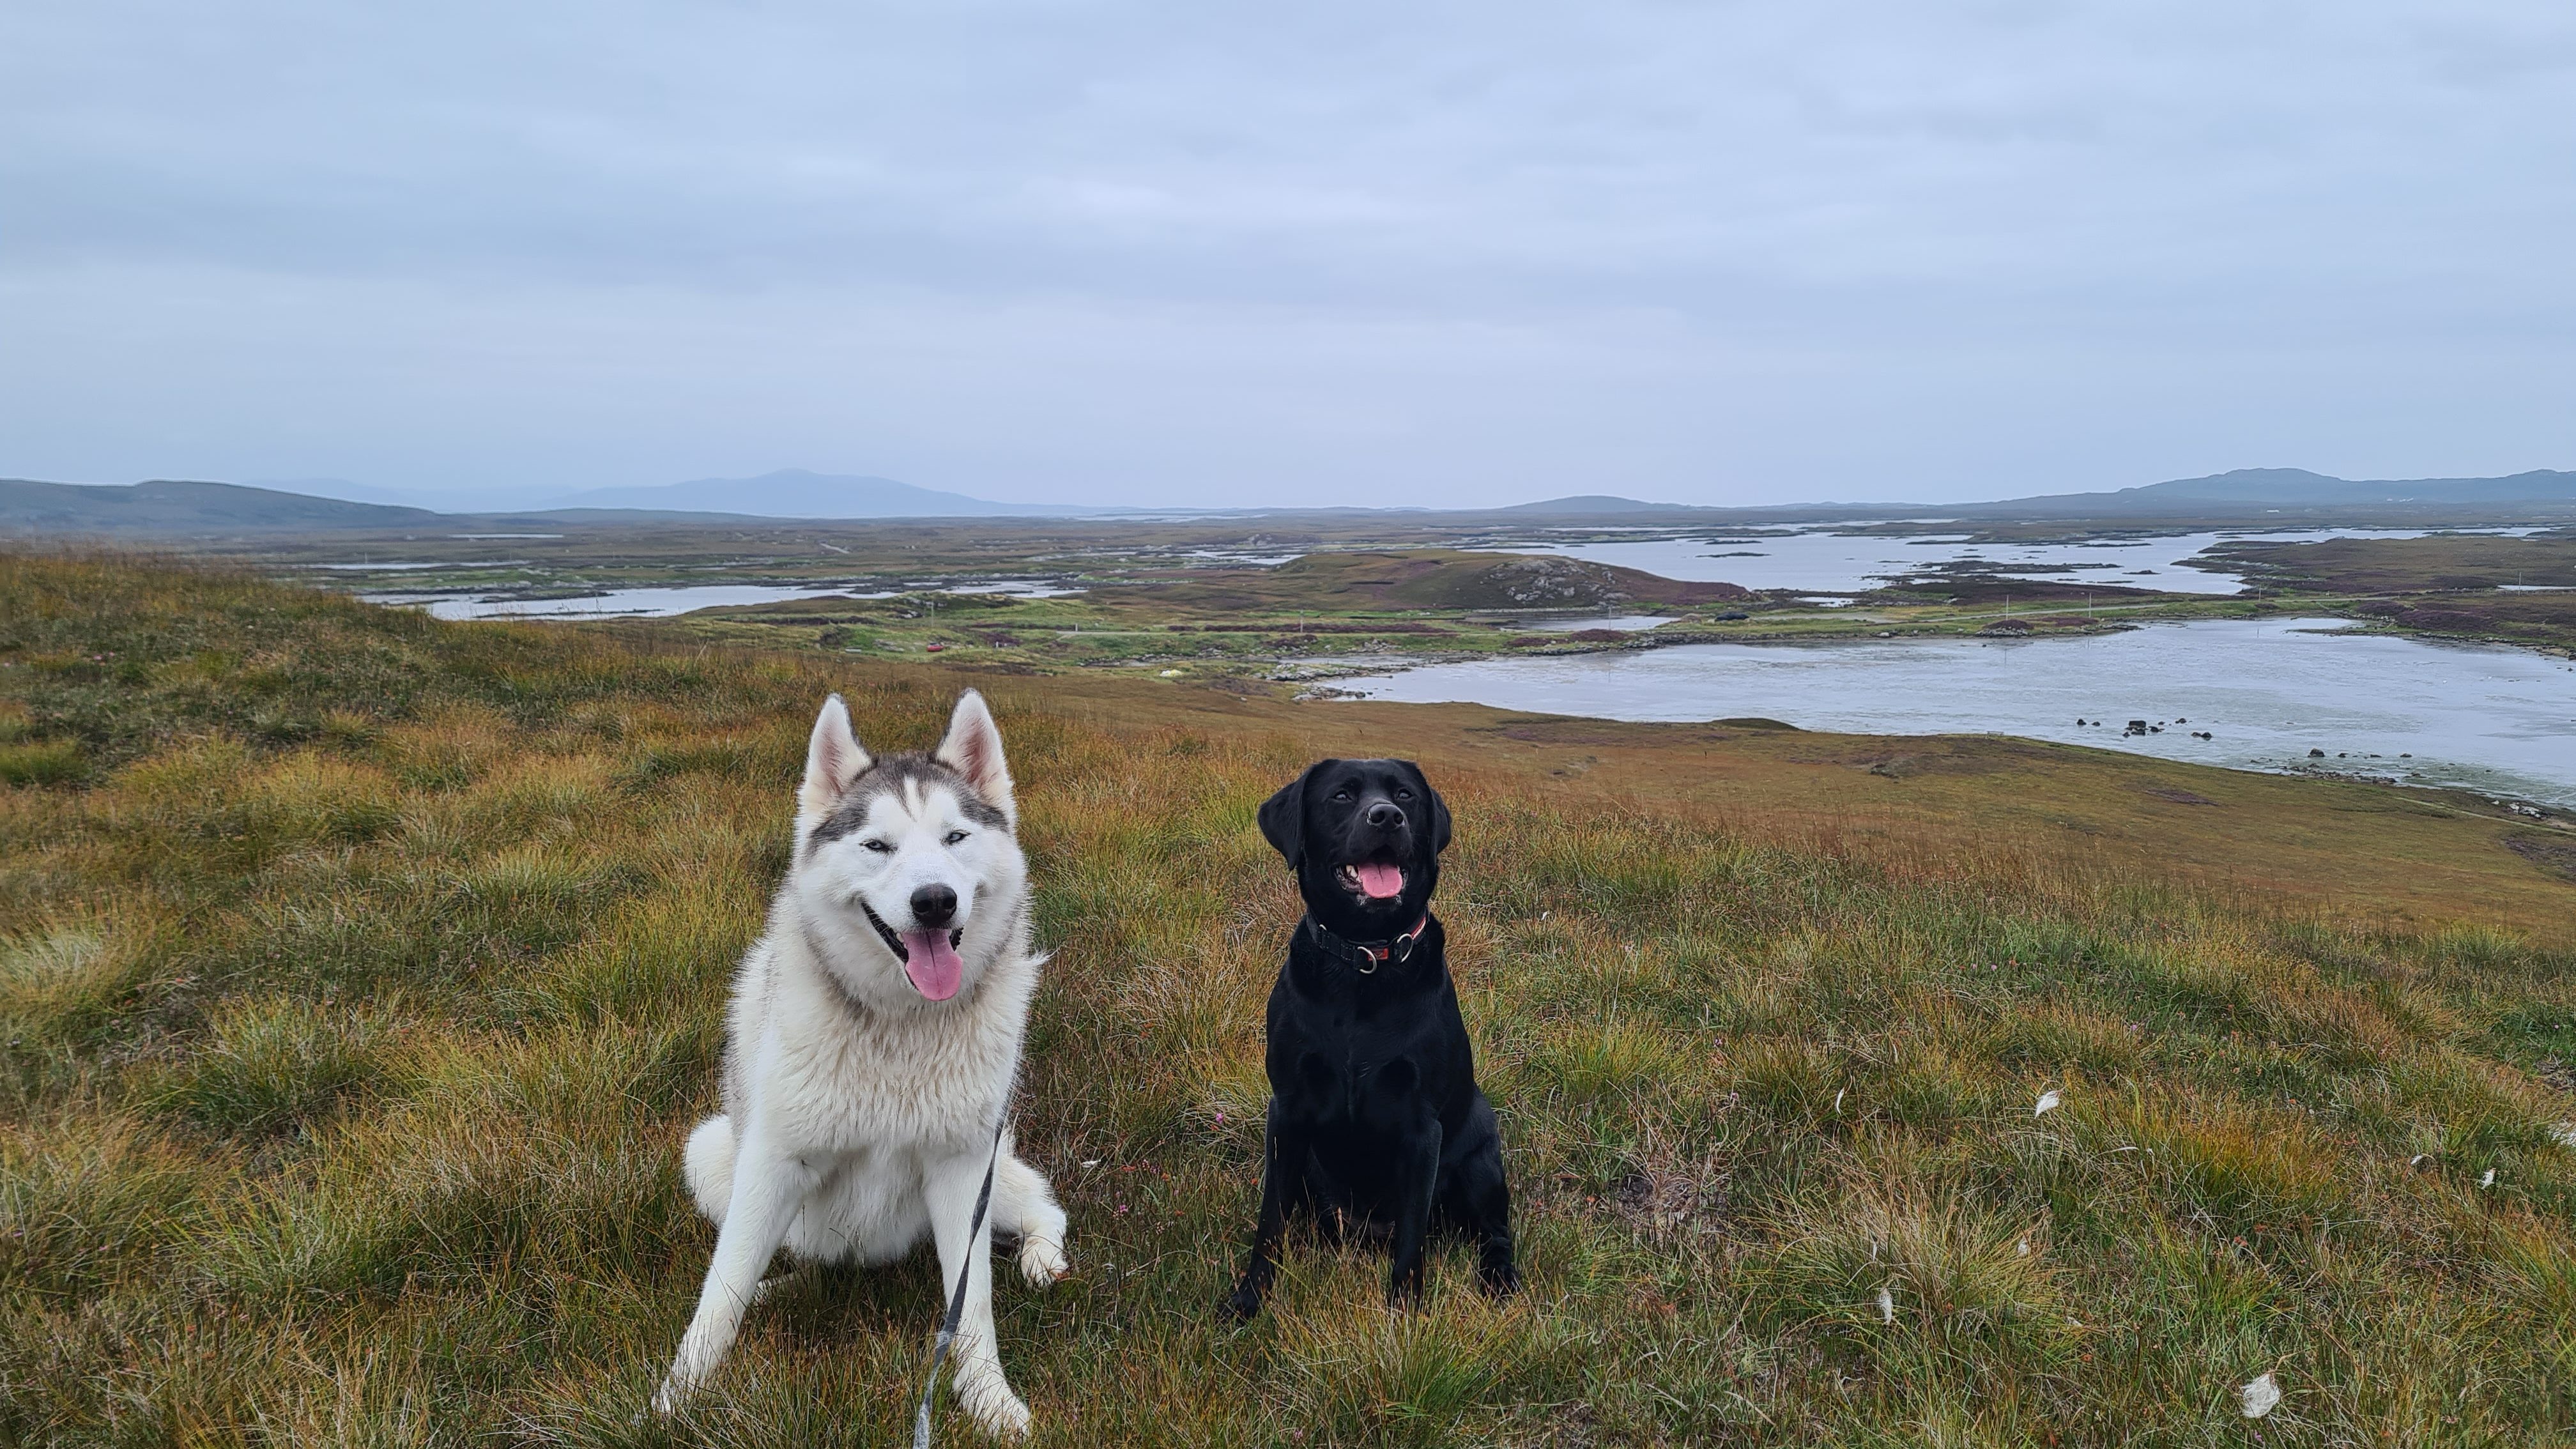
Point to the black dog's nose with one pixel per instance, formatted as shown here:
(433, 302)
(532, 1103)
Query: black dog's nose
(933, 906)
(1384, 815)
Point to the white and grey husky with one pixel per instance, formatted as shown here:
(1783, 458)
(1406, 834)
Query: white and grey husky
(874, 1034)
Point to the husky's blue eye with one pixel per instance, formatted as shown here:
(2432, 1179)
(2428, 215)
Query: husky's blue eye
(954, 836)
(879, 846)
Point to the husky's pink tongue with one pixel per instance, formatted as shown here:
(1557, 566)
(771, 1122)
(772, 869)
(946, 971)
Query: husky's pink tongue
(932, 964)
(1382, 882)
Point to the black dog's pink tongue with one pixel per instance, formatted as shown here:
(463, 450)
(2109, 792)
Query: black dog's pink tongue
(1382, 882)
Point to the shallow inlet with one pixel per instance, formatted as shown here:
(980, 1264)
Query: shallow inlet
(661, 603)
(1620, 623)
(2489, 718)
(1808, 560)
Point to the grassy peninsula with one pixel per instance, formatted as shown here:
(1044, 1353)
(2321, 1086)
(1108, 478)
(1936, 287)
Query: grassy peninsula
(2496, 588)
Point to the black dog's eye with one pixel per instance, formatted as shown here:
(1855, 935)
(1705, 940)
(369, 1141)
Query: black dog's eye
(879, 846)
(1341, 794)
(1402, 793)
(954, 836)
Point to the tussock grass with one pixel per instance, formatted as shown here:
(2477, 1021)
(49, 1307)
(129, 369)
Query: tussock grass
(361, 975)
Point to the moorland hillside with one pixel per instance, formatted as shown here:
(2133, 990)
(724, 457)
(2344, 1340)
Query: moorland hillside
(361, 974)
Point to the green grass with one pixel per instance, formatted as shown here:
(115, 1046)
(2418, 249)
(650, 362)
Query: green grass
(362, 976)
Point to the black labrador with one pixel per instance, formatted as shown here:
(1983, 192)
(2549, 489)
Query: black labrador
(1375, 1120)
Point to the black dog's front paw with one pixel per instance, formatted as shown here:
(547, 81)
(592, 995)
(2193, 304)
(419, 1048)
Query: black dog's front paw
(1242, 1305)
(1501, 1281)
(1405, 1292)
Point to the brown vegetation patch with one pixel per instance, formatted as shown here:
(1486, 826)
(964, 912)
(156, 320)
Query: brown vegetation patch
(1667, 1197)
(2553, 854)
(1943, 755)
(2411, 565)
(2442, 620)
(1373, 626)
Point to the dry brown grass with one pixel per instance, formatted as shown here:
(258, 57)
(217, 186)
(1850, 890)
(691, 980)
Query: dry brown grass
(362, 976)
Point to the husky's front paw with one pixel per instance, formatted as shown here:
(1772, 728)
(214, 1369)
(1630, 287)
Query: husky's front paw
(997, 1410)
(1042, 1260)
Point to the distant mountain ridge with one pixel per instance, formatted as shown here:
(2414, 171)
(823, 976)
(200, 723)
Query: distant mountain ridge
(2298, 485)
(799, 493)
(2290, 488)
(182, 508)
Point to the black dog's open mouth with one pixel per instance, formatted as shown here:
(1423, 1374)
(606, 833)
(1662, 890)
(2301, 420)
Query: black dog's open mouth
(1372, 880)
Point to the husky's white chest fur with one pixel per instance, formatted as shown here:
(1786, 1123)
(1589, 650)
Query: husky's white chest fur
(871, 1046)
(836, 1075)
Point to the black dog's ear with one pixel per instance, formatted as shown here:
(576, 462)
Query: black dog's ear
(1439, 808)
(1283, 817)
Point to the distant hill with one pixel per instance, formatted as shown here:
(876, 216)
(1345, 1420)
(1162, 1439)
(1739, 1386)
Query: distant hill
(306, 505)
(1593, 505)
(179, 507)
(2299, 486)
(796, 493)
(477, 500)
(2248, 489)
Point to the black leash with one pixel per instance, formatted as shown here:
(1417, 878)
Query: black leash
(957, 1300)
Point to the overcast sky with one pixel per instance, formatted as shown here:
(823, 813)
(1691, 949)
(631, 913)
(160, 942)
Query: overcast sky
(1215, 253)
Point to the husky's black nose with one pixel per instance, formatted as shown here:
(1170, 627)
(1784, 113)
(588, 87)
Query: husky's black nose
(1384, 815)
(933, 906)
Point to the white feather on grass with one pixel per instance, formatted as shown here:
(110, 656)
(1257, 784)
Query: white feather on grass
(1886, 1306)
(2488, 1180)
(2048, 1101)
(2260, 1396)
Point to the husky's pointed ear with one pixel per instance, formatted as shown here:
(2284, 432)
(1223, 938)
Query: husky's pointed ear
(973, 749)
(1439, 807)
(833, 758)
(1283, 817)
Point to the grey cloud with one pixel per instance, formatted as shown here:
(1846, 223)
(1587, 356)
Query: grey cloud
(1144, 252)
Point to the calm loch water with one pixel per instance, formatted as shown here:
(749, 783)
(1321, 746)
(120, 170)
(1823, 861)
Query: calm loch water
(2495, 719)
